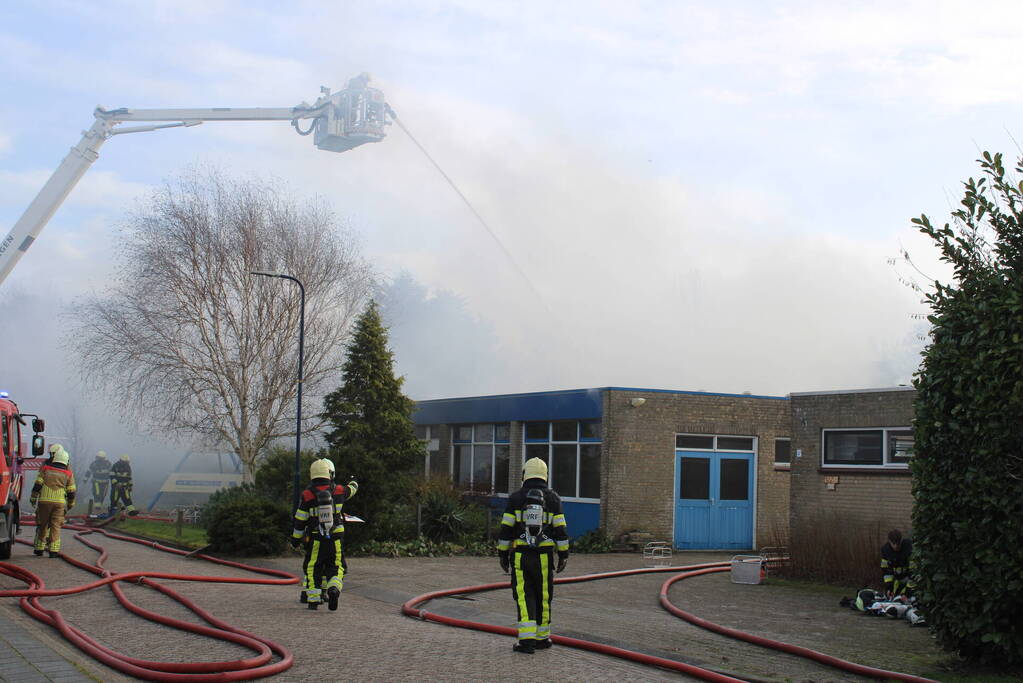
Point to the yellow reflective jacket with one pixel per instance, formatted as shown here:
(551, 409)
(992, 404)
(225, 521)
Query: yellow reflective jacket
(54, 484)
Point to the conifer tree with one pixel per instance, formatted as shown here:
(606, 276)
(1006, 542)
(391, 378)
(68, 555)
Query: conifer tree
(372, 437)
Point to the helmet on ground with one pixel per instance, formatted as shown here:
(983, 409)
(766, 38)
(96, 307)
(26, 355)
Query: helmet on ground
(535, 468)
(61, 456)
(125, 458)
(102, 454)
(321, 469)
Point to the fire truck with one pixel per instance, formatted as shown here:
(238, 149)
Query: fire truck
(12, 466)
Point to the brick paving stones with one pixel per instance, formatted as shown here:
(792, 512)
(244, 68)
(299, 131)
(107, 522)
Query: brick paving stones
(368, 639)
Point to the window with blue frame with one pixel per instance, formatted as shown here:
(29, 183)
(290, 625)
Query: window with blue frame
(480, 455)
(571, 449)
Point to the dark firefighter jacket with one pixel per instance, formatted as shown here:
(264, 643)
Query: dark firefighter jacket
(120, 473)
(99, 470)
(895, 568)
(306, 521)
(553, 534)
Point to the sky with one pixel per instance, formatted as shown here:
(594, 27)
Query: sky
(688, 195)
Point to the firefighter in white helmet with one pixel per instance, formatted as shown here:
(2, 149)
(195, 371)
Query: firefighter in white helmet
(52, 496)
(532, 530)
(319, 524)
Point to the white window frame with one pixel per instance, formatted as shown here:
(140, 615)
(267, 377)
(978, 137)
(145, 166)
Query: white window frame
(432, 445)
(783, 465)
(492, 491)
(714, 448)
(550, 443)
(885, 463)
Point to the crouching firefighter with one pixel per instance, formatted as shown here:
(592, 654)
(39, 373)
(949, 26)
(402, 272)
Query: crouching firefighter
(53, 494)
(319, 524)
(532, 529)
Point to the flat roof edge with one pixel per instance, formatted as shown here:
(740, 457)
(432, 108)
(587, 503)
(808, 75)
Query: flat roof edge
(851, 391)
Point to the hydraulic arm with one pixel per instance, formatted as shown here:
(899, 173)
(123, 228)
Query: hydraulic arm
(338, 122)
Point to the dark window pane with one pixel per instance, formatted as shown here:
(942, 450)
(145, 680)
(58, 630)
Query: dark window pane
(502, 457)
(589, 470)
(537, 450)
(782, 451)
(482, 468)
(900, 446)
(852, 448)
(422, 431)
(566, 431)
(735, 443)
(463, 433)
(463, 464)
(563, 471)
(437, 465)
(589, 429)
(537, 430)
(484, 434)
(695, 479)
(692, 441)
(734, 479)
(502, 432)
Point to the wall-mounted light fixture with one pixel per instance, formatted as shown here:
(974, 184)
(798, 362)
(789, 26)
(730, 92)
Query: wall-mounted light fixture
(636, 402)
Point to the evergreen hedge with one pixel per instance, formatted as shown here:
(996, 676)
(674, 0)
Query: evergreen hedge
(968, 463)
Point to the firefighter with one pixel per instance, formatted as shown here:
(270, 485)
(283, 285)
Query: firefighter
(52, 496)
(532, 529)
(320, 526)
(99, 472)
(120, 487)
(896, 566)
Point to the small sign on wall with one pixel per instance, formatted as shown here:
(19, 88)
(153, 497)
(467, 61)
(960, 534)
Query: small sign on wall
(830, 482)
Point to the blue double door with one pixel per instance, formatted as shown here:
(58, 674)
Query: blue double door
(713, 500)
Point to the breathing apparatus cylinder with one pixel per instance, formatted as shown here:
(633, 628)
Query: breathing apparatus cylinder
(532, 517)
(325, 512)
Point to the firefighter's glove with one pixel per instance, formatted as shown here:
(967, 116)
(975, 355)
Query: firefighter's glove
(33, 501)
(502, 557)
(562, 561)
(296, 543)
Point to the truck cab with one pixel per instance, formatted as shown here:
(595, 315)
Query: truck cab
(11, 459)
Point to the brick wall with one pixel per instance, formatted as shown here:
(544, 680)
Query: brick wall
(860, 499)
(638, 475)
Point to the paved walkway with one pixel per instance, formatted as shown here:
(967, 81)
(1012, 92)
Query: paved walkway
(369, 639)
(24, 658)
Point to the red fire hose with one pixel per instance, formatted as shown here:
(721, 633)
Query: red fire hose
(256, 666)
(411, 608)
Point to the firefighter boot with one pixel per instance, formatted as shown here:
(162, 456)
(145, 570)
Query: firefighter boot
(53, 553)
(312, 605)
(332, 595)
(543, 644)
(303, 598)
(37, 552)
(525, 646)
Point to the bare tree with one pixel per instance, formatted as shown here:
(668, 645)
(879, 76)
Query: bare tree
(186, 341)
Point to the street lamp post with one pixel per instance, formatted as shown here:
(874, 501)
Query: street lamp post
(298, 411)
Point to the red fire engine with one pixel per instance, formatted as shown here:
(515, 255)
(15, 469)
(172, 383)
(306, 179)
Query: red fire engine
(12, 463)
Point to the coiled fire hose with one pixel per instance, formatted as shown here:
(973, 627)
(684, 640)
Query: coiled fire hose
(257, 666)
(412, 609)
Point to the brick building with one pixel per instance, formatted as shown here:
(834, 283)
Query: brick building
(705, 470)
(850, 464)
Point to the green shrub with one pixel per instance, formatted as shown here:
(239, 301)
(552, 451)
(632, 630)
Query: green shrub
(967, 468)
(423, 547)
(449, 516)
(223, 497)
(249, 525)
(275, 472)
(593, 541)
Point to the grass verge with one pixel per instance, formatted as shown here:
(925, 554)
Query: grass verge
(191, 536)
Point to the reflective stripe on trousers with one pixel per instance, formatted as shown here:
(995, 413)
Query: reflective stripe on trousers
(322, 565)
(49, 520)
(533, 588)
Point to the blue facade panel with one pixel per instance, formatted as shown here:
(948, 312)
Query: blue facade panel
(576, 404)
(581, 517)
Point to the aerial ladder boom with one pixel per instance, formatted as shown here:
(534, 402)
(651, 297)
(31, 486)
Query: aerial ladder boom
(338, 122)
